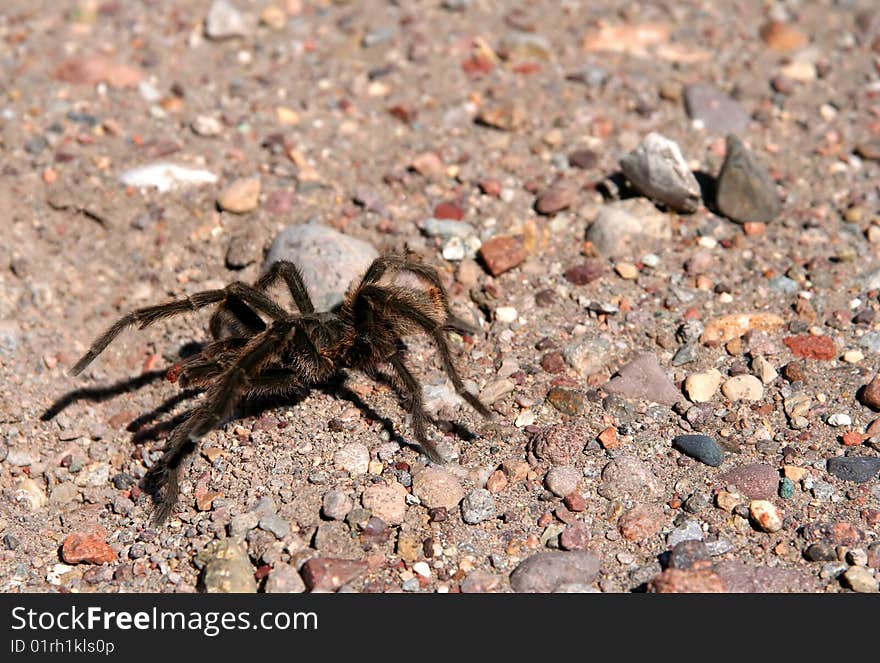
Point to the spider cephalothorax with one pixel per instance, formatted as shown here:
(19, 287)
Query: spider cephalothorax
(250, 356)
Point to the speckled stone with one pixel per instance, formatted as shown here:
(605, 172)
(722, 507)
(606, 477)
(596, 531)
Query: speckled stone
(545, 572)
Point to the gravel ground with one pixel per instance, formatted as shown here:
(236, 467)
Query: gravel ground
(665, 222)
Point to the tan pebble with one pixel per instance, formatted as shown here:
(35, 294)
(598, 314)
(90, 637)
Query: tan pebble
(728, 501)
(743, 388)
(701, 387)
(727, 327)
(794, 472)
(766, 515)
(241, 196)
(287, 115)
(853, 356)
(626, 270)
(273, 17)
(764, 369)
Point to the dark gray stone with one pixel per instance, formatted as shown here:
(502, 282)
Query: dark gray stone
(854, 468)
(700, 447)
(745, 190)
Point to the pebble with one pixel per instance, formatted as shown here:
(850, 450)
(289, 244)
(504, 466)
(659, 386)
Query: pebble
(284, 579)
(766, 515)
(690, 530)
(241, 524)
(643, 378)
(29, 493)
(858, 469)
(658, 170)
(207, 126)
(328, 574)
(21, 457)
(521, 45)
(166, 176)
(641, 522)
(626, 270)
(225, 21)
(745, 191)
(575, 537)
(807, 346)
(839, 419)
(764, 370)
(583, 159)
(588, 355)
(754, 480)
(354, 458)
(328, 260)
(87, 546)
(63, 493)
(506, 314)
(684, 581)
(626, 226)
(700, 447)
(821, 551)
(480, 582)
(870, 394)
(786, 488)
(477, 506)
(545, 572)
(701, 387)
(743, 388)
(871, 342)
(687, 553)
(628, 477)
(782, 37)
(388, 502)
(496, 389)
(437, 488)
(570, 402)
(275, 524)
(728, 327)
(241, 196)
(9, 335)
(716, 111)
(861, 579)
(561, 480)
(501, 254)
(560, 444)
(585, 273)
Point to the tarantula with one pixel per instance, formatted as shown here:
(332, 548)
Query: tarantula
(250, 356)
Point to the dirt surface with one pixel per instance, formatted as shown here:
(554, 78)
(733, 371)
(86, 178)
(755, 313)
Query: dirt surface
(372, 117)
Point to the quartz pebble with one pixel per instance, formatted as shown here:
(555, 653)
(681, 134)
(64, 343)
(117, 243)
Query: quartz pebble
(657, 169)
(765, 515)
(743, 388)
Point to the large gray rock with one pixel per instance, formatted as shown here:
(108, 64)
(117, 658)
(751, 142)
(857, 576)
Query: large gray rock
(329, 261)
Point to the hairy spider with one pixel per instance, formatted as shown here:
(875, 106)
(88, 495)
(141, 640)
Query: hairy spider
(249, 356)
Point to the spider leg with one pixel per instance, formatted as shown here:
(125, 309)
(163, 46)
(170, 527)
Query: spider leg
(416, 407)
(235, 318)
(436, 331)
(144, 317)
(207, 355)
(293, 277)
(162, 479)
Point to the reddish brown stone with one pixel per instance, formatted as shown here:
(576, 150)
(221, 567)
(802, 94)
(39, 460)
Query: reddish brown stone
(794, 372)
(584, 273)
(852, 438)
(496, 482)
(501, 254)
(490, 187)
(640, 522)
(838, 532)
(870, 394)
(448, 211)
(555, 199)
(552, 362)
(87, 546)
(608, 438)
(327, 574)
(560, 444)
(808, 346)
(576, 537)
(686, 581)
(575, 502)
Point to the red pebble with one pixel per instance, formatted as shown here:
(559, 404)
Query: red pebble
(807, 346)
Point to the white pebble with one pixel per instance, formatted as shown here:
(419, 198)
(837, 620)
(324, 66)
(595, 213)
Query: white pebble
(506, 314)
(422, 569)
(840, 419)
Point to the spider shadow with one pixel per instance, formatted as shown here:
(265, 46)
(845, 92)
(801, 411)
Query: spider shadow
(99, 394)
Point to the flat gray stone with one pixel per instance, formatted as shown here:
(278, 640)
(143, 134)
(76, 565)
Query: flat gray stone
(745, 191)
